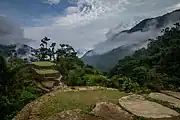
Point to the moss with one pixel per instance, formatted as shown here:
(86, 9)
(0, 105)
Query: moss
(46, 71)
(43, 63)
(48, 84)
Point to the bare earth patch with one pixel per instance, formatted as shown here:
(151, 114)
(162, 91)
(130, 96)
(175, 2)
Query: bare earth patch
(138, 106)
(110, 111)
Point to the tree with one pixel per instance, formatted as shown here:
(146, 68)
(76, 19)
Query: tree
(53, 50)
(9, 85)
(65, 50)
(158, 66)
(7, 75)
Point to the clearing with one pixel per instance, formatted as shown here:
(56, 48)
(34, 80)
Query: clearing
(76, 100)
(62, 100)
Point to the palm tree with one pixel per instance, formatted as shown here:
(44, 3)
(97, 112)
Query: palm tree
(52, 50)
(45, 40)
(44, 51)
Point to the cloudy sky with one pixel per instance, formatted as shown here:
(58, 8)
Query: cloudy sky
(81, 23)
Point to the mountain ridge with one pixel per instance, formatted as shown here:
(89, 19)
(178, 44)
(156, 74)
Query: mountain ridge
(148, 28)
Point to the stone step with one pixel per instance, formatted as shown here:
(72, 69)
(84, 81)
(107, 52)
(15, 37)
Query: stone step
(40, 86)
(171, 93)
(165, 98)
(48, 84)
(140, 107)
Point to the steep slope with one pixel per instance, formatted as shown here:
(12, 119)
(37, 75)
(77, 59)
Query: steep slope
(122, 43)
(106, 61)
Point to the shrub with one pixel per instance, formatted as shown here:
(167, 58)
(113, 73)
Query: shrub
(95, 80)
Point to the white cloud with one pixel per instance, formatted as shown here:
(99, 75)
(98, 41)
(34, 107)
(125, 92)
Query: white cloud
(83, 26)
(53, 2)
(177, 6)
(11, 33)
(87, 23)
(71, 10)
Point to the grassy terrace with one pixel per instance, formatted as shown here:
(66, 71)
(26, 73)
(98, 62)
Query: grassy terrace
(45, 71)
(76, 100)
(48, 83)
(43, 64)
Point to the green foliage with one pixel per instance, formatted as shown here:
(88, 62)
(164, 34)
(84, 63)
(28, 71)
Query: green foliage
(125, 84)
(74, 70)
(7, 50)
(156, 67)
(95, 80)
(15, 88)
(48, 52)
(16, 83)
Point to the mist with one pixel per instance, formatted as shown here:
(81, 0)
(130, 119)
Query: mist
(11, 33)
(119, 37)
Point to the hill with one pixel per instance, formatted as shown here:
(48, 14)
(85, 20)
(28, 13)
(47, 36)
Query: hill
(127, 41)
(104, 104)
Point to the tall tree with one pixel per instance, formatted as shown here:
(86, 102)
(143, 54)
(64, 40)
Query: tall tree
(52, 51)
(65, 50)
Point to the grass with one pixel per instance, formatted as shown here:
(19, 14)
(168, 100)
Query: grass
(48, 83)
(46, 71)
(83, 100)
(44, 63)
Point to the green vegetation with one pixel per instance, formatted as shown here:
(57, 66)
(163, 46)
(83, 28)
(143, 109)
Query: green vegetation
(156, 67)
(76, 100)
(48, 84)
(16, 88)
(17, 85)
(7, 50)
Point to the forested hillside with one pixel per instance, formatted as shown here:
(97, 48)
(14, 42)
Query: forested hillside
(16, 82)
(154, 68)
(121, 43)
(158, 66)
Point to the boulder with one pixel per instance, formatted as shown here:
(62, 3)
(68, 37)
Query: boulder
(109, 111)
(139, 106)
(171, 93)
(165, 98)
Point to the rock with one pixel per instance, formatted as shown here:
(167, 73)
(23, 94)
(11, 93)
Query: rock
(73, 115)
(109, 111)
(82, 88)
(165, 98)
(138, 106)
(171, 93)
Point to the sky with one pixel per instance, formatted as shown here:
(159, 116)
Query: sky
(80, 23)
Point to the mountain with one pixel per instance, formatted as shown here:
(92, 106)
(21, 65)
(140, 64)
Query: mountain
(122, 43)
(22, 51)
